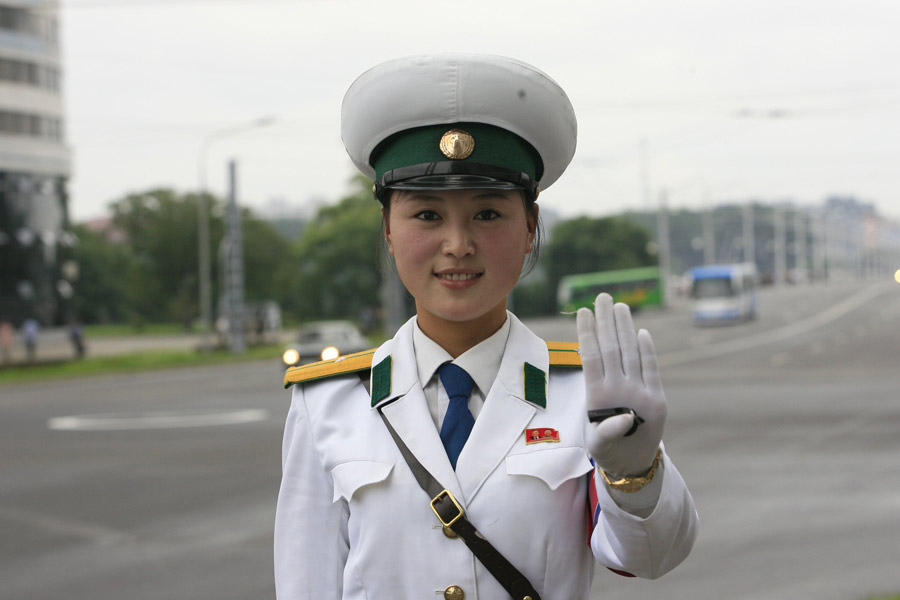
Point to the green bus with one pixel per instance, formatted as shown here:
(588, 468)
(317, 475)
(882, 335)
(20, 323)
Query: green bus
(637, 288)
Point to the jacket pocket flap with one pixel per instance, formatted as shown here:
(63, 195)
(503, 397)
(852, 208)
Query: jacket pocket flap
(554, 467)
(352, 475)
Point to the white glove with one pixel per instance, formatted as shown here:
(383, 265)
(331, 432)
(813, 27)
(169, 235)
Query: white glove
(620, 370)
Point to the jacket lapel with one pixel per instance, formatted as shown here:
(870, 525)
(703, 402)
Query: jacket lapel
(410, 418)
(507, 410)
(406, 409)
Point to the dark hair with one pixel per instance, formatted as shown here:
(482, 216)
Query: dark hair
(528, 202)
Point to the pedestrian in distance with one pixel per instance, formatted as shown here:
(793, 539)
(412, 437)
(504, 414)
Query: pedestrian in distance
(30, 331)
(76, 337)
(466, 458)
(7, 333)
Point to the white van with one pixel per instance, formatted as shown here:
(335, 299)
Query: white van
(724, 293)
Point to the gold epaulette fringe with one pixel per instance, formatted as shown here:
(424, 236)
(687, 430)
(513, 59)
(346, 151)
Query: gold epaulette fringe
(562, 354)
(352, 363)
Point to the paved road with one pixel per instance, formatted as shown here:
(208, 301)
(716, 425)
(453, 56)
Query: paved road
(787, 433)
(785, 429)
(141, 513)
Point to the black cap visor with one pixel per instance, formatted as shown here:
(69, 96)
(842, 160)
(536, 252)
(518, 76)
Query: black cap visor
(449, 175)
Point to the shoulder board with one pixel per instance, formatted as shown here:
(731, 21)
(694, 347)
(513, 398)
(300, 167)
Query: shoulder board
(351, 363)
(564, 354)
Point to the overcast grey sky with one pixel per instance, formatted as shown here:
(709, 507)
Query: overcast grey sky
(763, 99)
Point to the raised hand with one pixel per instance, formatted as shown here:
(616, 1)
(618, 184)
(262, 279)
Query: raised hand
(620, 370)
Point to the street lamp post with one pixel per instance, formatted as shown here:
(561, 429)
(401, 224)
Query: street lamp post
(203, 221)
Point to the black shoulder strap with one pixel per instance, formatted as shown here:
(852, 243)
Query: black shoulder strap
(451, 515)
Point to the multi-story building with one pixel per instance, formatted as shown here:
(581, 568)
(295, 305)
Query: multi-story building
(34, 164)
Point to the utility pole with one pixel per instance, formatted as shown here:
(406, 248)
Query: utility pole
(203, 261)
(800, 259)
(644, 160)
(392, 295)
(203, 241)
(820, 253)
(748, 233)
(780, 244)
(662, 237)
(709, 231)
(237, 343)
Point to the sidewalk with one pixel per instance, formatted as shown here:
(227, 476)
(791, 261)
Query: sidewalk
(54, 345)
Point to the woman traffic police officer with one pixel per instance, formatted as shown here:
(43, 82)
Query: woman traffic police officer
(457, 145)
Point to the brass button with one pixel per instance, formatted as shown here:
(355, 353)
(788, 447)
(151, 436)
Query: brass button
(449, 532)
(527, 598)
(454, 592)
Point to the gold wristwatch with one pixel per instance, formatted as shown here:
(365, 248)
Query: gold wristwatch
(633, 484)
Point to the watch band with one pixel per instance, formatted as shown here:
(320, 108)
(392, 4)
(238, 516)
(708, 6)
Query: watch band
(633, 484)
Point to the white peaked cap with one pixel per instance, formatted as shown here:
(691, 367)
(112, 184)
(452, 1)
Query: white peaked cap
(417, 91)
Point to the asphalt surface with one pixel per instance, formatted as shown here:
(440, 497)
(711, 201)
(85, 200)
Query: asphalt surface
(786, 431)
(163, 485)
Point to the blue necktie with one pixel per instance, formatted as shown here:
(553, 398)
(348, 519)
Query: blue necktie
(458, 421)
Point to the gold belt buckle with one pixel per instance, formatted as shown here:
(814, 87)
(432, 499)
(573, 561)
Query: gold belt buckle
(438, 498)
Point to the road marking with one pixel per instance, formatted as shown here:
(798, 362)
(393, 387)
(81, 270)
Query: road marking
(821, 319)
(156, 420)
(63, 526)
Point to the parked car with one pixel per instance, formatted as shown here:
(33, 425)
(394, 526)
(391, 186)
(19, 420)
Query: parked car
(324, 340)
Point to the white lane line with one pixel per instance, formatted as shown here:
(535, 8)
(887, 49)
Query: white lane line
(821, 319)
(63, 526)
(155, 420)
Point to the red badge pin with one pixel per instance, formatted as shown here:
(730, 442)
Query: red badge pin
(542, 434)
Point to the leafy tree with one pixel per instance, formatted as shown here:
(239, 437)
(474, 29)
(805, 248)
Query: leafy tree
(161, 229)
(583, 245)
(269, 259)
(336, 275)
(104, 268)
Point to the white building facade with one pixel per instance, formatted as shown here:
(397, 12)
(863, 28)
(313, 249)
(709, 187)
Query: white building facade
(34, 164)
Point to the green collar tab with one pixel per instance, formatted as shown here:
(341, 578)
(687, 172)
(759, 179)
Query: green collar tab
(535, 385)
(381, 380)
(493, 146)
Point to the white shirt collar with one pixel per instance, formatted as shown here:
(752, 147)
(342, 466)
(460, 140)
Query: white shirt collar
(481, 362)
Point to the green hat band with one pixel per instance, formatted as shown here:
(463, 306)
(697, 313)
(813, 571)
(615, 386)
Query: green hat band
(493, 146)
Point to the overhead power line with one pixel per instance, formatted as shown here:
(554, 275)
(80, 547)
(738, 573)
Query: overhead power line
(888, 85)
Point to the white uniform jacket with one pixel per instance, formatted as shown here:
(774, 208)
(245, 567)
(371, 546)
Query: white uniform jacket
(352, 523)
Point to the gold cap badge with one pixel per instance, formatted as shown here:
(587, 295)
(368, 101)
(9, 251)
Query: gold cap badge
(457, 144)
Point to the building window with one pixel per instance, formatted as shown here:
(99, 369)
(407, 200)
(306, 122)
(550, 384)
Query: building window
(22, 20)
(38, 126)
(19, 71)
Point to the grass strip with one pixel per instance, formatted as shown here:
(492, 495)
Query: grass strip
(125, 330)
